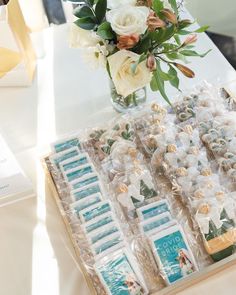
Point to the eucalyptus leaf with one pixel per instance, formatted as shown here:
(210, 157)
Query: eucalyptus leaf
(83, 11)
(86, 23)
(100, 10)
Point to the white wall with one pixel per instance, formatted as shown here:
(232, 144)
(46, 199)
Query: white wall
(219, 14)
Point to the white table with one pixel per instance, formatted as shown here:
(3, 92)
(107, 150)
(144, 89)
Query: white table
(36, 254)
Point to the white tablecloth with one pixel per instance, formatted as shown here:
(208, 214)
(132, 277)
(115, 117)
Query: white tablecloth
(36, 255)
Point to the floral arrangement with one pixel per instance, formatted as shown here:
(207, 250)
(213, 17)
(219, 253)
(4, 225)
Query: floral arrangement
(139, 42)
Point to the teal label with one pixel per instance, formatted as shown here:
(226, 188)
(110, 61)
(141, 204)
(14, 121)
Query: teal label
(87, 192)
(97, 212)
(79, 173)
(75, 163)
(155, 210)
(100, 223)
(104, 234)
(120, 278)
(87, 204)
(66, 156)
(107, 245)
(60, 147)
(174, 256)
(85, 182)
(155, 224)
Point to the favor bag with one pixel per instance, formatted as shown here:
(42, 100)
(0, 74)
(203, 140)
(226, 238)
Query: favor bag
(17, 58)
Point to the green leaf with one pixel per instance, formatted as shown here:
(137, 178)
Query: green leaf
(175, 81)
(184, 23)
(157, 83)
(134, 65)
(157, 6)
(83, 11)
(89, 2)
(174, 6)
(177, 39)
(194, 53)
(177, 55)
(202, 29)
(184, 32)
(163, 34)
(100, 10)
(143, 45)
(105, 31)
(86, 23)
(108, 69)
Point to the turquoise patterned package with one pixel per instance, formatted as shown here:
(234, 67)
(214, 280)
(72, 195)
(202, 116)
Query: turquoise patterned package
(56, 159)
(120, 274)
(103, 232)
(153, 209)
(98, 222)
(152, 224)
(108, 244)
(86, 203)
(78, 172)
(84, 181)
(173, 254)
(95, 211)
(86, 191)
(65, 144)
(74, 162)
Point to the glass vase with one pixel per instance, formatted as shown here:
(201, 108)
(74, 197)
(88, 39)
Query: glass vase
(124, 104)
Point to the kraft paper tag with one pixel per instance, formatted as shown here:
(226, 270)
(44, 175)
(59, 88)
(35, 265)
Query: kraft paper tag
(8, 60)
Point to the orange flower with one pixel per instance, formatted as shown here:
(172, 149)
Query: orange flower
(154, 22)
(127, 42)
(169, 15)
(190, 39)
(185, 70)
(151, 62)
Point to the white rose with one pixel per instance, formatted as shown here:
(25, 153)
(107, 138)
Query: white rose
(112, 4)
(80, 38)
(128, 20)
(126, 82)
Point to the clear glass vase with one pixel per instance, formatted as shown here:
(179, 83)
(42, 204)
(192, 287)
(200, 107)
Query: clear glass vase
(133, 101)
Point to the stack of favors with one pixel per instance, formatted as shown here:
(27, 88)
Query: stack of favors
(141, 194)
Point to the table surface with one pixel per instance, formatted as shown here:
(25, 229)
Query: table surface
(36, 254)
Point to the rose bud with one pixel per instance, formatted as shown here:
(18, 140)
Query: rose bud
(190, 39)
(186, 71)
(169, 15)
(154, 22)
(151, 63)
(127, 42)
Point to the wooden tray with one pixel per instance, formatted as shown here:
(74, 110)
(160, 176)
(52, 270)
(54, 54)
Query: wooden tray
(171, 290)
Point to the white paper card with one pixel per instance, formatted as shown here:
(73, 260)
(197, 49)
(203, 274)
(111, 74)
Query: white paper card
(14, 185)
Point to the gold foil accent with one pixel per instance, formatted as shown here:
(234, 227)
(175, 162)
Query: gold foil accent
(122, 188)
(188, 129)
(198, 194)
(206, 172)
(182, 171)
(204, 209)
(171, 148)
